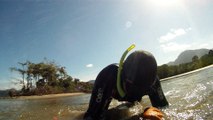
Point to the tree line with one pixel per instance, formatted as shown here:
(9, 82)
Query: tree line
(46, 77)
(168, 71)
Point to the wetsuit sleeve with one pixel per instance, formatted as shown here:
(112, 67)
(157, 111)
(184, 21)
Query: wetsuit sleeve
(157, 96)
(102, 93)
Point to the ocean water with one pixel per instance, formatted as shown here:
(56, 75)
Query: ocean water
(190, 98)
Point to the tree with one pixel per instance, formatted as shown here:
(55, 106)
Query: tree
(49, 78)
(62, 72)
(45, 71)
(167, 71)
(195, 63)
(12, 92)
(22, 71)
(76, 81)
(195, 58)
(163, 71)
(207, 59)
(211, 52)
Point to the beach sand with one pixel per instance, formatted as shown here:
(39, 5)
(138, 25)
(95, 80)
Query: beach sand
(50, 96)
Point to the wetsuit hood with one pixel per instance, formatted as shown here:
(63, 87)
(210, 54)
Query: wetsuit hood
(139, 69)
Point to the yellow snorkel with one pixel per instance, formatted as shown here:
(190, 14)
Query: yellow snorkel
(120, 90)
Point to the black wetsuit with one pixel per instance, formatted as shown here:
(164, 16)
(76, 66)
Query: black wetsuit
(105, 89)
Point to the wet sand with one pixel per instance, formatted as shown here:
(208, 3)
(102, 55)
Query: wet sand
(50, 96)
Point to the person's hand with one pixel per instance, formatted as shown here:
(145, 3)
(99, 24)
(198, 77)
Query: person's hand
(152, 113)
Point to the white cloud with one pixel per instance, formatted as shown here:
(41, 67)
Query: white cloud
(204, 45)
(173, 34)
(167, 43)
(128, 24)
(198, 45)
(89, 65)
(176, 47)
(173, 46)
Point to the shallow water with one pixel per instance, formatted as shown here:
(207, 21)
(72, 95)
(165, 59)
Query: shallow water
(190, 98)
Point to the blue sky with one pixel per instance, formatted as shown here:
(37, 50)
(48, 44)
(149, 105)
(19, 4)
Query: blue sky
(87, 35)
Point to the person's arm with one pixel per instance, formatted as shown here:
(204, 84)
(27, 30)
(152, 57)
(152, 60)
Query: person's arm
(102, 93)
(157, 96)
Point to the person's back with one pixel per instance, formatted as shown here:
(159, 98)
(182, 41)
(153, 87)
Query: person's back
(138, 78)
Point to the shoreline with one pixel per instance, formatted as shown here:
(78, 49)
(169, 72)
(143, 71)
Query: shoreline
(49, 96)
(187, 73)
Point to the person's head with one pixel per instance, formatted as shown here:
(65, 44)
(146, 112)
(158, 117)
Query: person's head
(138, 73)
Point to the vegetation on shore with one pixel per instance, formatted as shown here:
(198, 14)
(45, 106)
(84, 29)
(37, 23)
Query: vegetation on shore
(46, 78)
(165, 70)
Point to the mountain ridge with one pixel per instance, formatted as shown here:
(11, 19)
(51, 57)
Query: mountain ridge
(187, 55)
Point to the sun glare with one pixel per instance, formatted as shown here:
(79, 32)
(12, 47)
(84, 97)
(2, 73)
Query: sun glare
(165, 3)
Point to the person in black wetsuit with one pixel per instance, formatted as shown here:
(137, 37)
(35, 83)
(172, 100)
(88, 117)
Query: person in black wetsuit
(138, 78)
